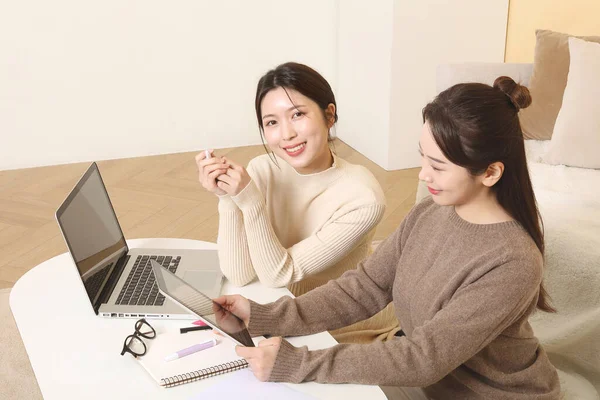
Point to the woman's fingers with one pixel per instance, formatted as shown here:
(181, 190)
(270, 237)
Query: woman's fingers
(234, 174)
(211, 163)
(235, 304)
(200, 156)
(215, 167)
(247, 352)
(224, 300)
(215, 175)
(212, 167)
(221, 175)
(209, 169)
(274, 341)
(233, 181)
(225, 178)
(261, 358)
(202, 161)
(210, 173)
(235, 166)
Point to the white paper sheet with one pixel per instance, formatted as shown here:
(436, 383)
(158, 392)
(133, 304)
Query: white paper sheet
(244, 385)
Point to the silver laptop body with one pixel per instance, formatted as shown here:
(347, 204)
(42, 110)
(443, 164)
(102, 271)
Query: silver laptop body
(118, 280)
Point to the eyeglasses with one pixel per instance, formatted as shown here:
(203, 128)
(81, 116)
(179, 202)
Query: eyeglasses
(133, 343)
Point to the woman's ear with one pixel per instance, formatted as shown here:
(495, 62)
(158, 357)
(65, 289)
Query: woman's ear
(493, 173)
(330, 115)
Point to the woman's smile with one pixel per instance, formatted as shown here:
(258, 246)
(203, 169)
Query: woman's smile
(433, 191)
(295, 150)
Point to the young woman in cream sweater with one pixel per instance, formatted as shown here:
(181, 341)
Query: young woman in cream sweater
(299, 216)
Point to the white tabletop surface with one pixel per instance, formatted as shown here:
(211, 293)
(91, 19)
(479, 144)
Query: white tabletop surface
(76, 355)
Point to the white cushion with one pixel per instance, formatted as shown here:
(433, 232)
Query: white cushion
(576, 137)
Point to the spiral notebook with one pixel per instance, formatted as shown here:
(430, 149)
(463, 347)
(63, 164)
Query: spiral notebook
(216, 360)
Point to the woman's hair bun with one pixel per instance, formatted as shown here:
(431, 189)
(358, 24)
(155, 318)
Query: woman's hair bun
(518, 94)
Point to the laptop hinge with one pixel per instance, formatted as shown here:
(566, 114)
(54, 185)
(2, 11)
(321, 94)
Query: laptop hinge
(112, 282)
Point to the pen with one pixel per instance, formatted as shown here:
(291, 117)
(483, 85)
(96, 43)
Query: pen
(194, 328)
(207, 154)
(191, 350)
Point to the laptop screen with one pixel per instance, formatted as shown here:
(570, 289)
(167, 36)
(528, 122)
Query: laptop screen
(91, 230)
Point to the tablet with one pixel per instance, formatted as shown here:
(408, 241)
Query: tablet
(196, 302)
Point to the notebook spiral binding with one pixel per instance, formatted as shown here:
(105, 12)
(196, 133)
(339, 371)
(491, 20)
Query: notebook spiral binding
(203, 373)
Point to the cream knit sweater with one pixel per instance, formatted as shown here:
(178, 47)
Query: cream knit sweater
(301, 231)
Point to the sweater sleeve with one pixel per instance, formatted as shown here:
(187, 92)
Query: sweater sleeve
(277, 266)
(356, 295)
(477, 314)
(234, 257)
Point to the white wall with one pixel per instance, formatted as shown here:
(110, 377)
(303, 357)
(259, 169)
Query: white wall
(387, 55)
(452, 32)
(87, 80)
(364, 62)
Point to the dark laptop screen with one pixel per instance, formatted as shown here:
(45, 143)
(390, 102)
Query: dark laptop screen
(91, 230)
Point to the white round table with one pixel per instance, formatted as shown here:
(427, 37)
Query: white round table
(76, 354)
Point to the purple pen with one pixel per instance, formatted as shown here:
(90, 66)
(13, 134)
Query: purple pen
(191, 350)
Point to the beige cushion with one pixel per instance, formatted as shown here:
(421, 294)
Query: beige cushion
(576, 138)
(547, 85)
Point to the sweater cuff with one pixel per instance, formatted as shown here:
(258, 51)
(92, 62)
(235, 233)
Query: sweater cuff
(249, 196)
(226, 203)
(287, 363)
(262, 319)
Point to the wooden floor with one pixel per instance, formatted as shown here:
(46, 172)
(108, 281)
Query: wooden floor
(155, 196)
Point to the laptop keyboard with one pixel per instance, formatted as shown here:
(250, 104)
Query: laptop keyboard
(140, 287)
(93, 283)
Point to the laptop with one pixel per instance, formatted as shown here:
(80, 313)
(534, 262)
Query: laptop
(118, 280)
(202, 306)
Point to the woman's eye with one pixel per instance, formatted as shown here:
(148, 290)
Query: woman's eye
(270, 123)
(435, 169)
(297, 114)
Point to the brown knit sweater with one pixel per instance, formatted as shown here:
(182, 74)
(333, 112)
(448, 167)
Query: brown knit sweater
(462, 293)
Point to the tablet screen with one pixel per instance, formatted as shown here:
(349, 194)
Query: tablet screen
(201, 305)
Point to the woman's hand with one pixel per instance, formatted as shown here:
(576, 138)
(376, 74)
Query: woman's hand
(261, 358)
(209, 171)
(237, 305)
(234, 180)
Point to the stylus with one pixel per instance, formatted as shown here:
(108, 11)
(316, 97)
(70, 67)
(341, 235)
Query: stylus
(191, 350)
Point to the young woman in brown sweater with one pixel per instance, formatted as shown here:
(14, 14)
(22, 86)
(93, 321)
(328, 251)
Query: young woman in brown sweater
(464, 271)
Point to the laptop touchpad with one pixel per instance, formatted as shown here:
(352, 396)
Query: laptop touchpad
(201, 280)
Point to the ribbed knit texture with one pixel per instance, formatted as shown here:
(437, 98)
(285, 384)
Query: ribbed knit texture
(301, 231)
(462, 293)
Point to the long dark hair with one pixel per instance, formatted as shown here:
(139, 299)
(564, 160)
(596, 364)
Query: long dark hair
(300, 78)
(476, 125)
